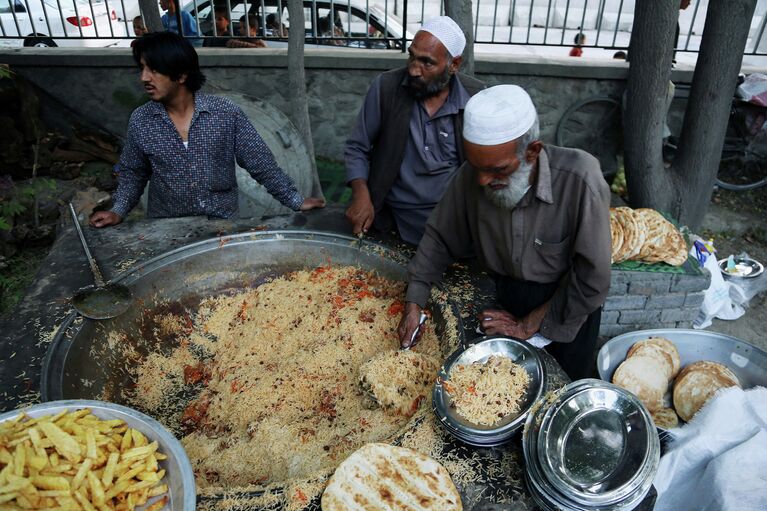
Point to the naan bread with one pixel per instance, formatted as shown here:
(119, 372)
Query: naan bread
(665, 418)
(664, 241)
(662, 344)
(696, 384)
(616, 237)
(634, 233)
(644, 377)
(384, 477)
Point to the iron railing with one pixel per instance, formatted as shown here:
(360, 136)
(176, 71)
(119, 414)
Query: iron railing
(605, 24)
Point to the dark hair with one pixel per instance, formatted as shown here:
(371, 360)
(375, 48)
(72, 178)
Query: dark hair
(219, 9)
(580, 37)
(172, 55)
(620, 55)
(252, 20)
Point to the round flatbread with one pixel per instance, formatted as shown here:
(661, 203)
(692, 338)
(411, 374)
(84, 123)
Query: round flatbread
(663, 360)
(616, 237)
(385, 477)
(664, 242)
(634, 233)
(666, 346)
(644, 377)
(665, 418)
(696, 384)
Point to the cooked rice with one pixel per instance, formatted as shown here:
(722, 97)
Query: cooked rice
(280, 397)
(486, 392)
(399, 380)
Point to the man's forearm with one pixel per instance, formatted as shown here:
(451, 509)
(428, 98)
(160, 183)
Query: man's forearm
(359, 188)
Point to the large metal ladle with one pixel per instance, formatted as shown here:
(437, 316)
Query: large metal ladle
(102, 301)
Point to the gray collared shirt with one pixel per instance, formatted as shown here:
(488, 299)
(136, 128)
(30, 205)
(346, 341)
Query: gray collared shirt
(559, 232)
(199, 179)
(429, 162)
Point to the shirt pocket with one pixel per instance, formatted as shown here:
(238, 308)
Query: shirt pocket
(553, 258)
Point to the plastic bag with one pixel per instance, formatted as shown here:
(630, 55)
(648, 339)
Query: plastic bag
(742, 290)
(717, 301)
(754, 89)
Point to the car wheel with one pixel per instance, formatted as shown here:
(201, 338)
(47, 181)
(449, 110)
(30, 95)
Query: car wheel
(39, 42)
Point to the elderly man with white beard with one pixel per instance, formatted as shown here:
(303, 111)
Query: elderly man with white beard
(537, 219)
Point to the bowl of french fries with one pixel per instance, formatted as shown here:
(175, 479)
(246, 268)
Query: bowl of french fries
(91, 455)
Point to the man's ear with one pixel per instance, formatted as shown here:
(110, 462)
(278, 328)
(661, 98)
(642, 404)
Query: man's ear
(533, 150)
(182, 78)
(455, 65)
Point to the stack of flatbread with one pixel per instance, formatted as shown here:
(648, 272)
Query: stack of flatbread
(697, 383)
(385, 477)
(650, 366)
(644, 235)
(653, 363)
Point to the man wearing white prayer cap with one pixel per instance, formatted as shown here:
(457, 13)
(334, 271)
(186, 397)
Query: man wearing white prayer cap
(536, 217)
(406, 145)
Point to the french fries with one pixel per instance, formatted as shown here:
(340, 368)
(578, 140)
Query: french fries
(75, 461)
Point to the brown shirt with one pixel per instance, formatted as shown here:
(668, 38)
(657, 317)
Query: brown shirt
(559, 232)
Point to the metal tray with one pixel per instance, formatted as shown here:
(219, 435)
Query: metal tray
(521, 353)
(748, 362)
(745, 268)
(179, 475)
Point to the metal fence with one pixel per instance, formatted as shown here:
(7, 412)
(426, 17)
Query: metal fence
(385, 24)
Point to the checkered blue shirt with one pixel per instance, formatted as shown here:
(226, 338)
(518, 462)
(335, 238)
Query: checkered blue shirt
(200, 179)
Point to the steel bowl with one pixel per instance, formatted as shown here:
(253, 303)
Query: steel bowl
(178, 476)
(591, 446)
(745, 268)
(748, 362)
(487, 436)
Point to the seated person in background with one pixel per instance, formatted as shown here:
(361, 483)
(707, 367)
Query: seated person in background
(217, 38)
(170, 22)
(579, 40)
(620, 55)
(138, 26)
(327, 29)
(185, 144)
(277, 28)
(249, 31)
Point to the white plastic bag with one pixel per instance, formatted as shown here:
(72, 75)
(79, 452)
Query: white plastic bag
(717, 301)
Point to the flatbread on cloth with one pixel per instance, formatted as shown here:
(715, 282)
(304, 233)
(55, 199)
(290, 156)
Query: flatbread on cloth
(386, 477)
(616, 237)
(634, 234)
(664, 242)
(697, 382)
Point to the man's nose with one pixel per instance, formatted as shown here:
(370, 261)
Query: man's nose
(485, 178)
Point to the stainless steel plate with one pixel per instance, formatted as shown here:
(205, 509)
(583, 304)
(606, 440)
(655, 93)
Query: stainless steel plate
(520, 353)
(748, 362)
(584, 425)
(744, 268)
(595, 443)
(179, 476)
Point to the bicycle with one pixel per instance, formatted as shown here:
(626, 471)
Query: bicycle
(594, 125)
(743, 165)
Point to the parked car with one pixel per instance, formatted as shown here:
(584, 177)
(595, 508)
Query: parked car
(367, 26)
(46, 23)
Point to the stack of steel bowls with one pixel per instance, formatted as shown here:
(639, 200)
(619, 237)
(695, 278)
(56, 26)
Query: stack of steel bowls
(520, 353)
(591, 446)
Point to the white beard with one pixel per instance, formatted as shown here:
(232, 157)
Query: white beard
(517, 185)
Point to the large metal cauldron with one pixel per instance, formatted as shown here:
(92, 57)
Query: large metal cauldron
(81, 363)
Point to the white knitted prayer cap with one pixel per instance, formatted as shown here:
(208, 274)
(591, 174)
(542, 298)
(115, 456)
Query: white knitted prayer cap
(498, 115)
(448, 32)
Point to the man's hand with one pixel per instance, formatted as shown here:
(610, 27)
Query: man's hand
(500, 322)
(408, 324)
(360, 212)
(104, 219)
(312, 203)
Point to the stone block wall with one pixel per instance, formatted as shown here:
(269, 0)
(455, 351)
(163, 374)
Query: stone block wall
(641, 300)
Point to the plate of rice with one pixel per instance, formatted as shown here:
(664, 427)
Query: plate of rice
(484, 393)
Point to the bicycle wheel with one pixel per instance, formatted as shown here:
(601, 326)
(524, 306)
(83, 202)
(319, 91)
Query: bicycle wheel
(594, 125)
(742, 173)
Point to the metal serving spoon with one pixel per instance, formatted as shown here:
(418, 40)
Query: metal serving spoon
(102, 301)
